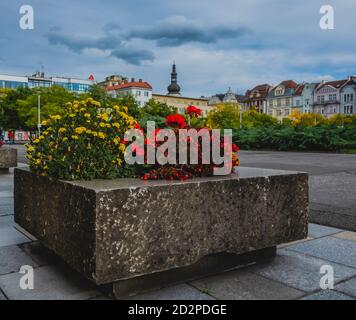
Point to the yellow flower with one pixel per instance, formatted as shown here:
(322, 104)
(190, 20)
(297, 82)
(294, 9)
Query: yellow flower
(102, 124)
(44, 122)
(87, 115)
(65, 139)
(122, 147)
(116, 140)
(80, 130)
(75, 137)
(89, 131)
(40, 137)
(38, 154)
(61, 130)
(95, 134)
(116, 125)
(101, 135)
(36, 141)
(31, 149)
(56, 117)
(72, 115)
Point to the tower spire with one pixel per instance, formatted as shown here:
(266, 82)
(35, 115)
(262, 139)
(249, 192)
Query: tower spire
(174, 88)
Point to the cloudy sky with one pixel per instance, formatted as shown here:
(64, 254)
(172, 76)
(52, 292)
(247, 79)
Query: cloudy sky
(216, 44)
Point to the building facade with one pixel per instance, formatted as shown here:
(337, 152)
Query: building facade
(113, 80)
(40, 80)
(303, 98)
(327, 97)
(280, 99)
(228, 97)
(140, 90)
(181, 103)
(348, 97)
(257, 97)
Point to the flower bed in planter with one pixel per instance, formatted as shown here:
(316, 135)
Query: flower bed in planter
(122, 230)
(156, 222)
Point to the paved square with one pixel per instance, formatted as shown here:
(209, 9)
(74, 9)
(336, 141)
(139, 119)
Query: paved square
(293, 274)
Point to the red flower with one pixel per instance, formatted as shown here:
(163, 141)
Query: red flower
(194, 111)
(176, 121)
(235, 148)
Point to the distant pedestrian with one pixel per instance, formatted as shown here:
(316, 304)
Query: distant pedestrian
(1, 137)
(11, 137)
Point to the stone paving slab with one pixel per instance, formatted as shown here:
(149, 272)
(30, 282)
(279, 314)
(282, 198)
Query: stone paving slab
(243, 285)
(8, 234)
(39, 254)
(300, 271)
(12, 258)
(2, 297)
(50, 283)
(329, 248)
(318, 231)
(347, 287)
(284, 245)
(178, 292)
(6, 194)
(327, 295)
(346, 235)
(6, 208)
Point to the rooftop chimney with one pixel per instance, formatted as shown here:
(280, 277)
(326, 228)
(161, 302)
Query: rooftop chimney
(139, 80)
(132, 79)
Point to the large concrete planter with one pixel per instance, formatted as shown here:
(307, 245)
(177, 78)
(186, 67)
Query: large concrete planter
(8, 158)
(141, 234)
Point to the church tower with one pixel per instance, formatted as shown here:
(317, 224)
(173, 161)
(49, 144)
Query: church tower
(174, 88)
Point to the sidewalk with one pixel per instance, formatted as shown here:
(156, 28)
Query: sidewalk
(294, 274)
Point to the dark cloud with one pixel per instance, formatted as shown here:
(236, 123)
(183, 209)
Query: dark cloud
(108, 41)
(178, 30)
(79, 43)
(173, 31)
(111, 27)
(133, 55)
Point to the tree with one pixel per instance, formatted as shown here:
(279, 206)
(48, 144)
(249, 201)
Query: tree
(10, 118)
(53, 100)
(155, 111)
(225, 116)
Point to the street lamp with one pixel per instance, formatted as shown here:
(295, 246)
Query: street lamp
(39, 115)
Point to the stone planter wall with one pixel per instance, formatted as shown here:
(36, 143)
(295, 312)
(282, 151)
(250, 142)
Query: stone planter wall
(8, 158)
(116, 230)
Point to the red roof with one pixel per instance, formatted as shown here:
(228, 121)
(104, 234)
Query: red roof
(336, 84)
(289, 84)
(299, 90)
(135, 84)
(262, 90)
